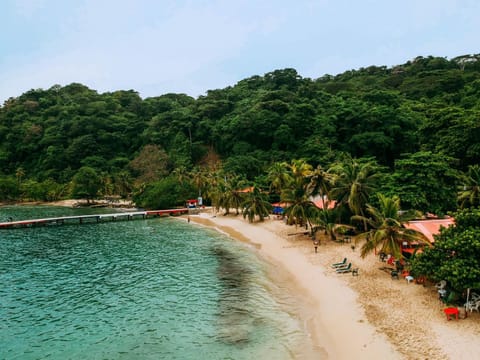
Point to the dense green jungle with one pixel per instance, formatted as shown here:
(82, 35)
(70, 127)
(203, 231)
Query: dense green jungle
(370, 142)
(418, 123)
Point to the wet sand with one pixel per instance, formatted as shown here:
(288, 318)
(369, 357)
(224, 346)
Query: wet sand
(369, 316)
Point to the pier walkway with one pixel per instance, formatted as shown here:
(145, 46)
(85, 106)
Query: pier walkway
(94, 218)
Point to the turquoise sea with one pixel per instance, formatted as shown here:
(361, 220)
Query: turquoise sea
(144, 289)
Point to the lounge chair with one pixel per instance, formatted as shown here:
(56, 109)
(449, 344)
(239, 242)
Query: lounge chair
(344, 262)
(472, 305)
(342, 266)
(344, 269)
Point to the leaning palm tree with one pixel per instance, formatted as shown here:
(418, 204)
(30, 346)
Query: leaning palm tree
(301, 209)
(386, 228)
(278, 176)
(355, 182)
(256, 204)
(325, 220)
(469, 194)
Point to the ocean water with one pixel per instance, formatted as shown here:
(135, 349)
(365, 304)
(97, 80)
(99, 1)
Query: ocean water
(143, 289)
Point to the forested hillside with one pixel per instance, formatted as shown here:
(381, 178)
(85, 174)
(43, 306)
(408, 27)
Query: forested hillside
(418, 122)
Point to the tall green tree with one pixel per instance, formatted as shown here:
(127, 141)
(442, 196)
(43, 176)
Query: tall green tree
(278, 176)
(231, 195)
(455, 257)
(298, 195)
(426, 181)
(256, 205)
(320, 184)
(86, 184)
(165, 193)
(386, 231)
(355, 182)
(319, 187)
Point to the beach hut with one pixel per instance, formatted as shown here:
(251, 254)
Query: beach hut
(429, 227)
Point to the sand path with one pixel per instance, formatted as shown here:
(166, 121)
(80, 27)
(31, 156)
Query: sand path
(369, 316)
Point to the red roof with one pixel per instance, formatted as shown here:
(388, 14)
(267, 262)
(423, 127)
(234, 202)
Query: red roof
(429, 227)
(246, 190)
(318, 203)
(321, 203)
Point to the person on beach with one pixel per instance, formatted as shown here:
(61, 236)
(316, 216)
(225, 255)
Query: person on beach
(315, 244)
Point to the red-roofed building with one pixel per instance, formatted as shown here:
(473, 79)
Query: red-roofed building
(322, 202)
(429, 227)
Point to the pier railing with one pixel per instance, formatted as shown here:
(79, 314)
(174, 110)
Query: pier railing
(94, 218)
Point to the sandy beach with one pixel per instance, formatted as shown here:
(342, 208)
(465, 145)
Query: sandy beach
(369, 316)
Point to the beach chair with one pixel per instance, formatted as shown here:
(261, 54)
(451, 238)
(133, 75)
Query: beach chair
(409, 279)
(342, 266)
(344, 262)
(474, 296)
(472, 305)
(346, 269)
(441, 285)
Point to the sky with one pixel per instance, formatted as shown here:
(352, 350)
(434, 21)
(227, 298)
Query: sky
(190, 46)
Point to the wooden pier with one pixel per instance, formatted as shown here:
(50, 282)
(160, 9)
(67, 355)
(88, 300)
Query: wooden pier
(94, 218)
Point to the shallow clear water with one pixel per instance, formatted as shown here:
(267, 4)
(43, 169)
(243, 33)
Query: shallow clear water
(143, 289)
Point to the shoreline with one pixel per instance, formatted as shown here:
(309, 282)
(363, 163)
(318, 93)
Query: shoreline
(330, 330)
(369, 316)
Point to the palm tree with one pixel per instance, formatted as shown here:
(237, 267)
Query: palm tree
(302, 211)
(256, 204)
(214, 187)
(297, 194)
(469, 195)
(278, 176)
(386, 228)
(199, 178)
(325, 219)
(300, 169)
(320, 182)
(232, 197)
(355, 182)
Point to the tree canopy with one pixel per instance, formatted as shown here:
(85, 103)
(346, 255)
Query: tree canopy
(417, 120)
(456, 254)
